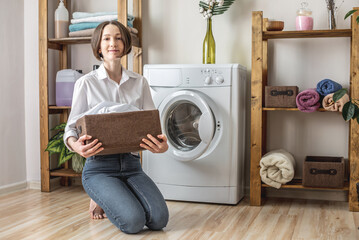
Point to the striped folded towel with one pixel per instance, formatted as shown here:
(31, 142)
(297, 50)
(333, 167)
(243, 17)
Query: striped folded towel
(79, 15)
(83, 26)
(95, 19)
(89, 32)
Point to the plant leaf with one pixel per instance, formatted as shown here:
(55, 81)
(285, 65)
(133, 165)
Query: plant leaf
(65, 155)
(217, 10)
(349, 13)
(55, 146)
(358, 19)
(356, 111)
(57, 136)
(339, 94)
(59, 127)
(348, 111)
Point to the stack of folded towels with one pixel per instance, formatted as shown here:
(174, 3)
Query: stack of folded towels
(83, 24)
(309, 100)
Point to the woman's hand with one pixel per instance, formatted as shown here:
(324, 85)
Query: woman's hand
(153, 145)
(85, 150)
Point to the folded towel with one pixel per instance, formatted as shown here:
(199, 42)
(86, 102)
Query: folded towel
(277, 168)
(77, 15)
(82, 33)
(89, 32)
(308, 100)
(95, 19)
(327, 86)
(329, 105)
(83, 26)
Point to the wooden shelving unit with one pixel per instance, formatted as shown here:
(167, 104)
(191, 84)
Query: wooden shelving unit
(260, 39)
(61, 45)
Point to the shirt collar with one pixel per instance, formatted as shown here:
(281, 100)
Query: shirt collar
(126, 75)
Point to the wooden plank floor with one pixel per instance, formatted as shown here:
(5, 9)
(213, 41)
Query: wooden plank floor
(62, 214)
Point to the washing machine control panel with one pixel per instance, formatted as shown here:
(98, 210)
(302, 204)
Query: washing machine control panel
(206, 77)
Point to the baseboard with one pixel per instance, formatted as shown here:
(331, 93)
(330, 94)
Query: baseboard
(330, 195)
(34, 185)
(13, 187)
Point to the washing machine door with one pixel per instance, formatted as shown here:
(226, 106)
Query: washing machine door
(188, 123)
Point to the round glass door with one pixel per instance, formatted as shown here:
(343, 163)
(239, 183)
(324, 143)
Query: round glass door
(188, 123)
(182, 125)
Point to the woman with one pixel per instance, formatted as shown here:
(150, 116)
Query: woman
(116, 182)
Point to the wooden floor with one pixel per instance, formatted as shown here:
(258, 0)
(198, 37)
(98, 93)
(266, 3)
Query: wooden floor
(62, 214)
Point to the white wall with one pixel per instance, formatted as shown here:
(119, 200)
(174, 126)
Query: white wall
(12, 117)
(31, 83)
(173, 32)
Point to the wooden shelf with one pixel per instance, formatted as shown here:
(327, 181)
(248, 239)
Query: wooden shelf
(70, 40)
(65, 172)
(56, 43)
(259, 114)
(290, 109)
(61, 45)
(307, 34)
(297, 184)
(58, 109)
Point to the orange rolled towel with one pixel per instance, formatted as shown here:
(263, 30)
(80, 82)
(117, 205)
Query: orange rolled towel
(329, 105)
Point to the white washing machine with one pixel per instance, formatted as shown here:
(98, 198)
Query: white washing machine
(202, 112)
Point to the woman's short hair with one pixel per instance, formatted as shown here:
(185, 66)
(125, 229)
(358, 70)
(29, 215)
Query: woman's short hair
(96, 38)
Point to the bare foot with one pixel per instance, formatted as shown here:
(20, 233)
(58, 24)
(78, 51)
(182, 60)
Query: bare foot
(96, 211)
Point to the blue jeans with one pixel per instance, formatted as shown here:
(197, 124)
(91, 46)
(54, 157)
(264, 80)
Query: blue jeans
(128, 196)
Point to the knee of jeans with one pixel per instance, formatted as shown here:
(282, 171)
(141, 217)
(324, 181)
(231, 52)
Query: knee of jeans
(133, 224)
(159, 220)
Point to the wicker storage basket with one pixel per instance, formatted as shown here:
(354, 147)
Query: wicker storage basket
(321, 171)
(120, 132)
(280, 96)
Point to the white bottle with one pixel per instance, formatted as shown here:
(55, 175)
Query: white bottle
(61, 21)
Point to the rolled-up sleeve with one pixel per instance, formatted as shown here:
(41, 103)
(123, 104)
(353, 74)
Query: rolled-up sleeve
(79, 106)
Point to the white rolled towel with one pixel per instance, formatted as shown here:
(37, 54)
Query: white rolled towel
(277, 168)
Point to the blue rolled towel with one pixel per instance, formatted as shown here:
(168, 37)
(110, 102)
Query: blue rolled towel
(327, 86)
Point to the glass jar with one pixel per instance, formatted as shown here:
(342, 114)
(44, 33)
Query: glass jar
(304, 20)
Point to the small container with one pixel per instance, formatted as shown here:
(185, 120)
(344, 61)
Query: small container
(304, 20)
(275, 25)
(320, 171)
(280, 96)
(61, 21)
(65, 82)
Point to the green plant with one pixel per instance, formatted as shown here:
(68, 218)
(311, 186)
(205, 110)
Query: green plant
(351, 13)
(350, 109)
(210, 8)
(56, 145)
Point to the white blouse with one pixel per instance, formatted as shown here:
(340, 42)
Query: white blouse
(96, 87)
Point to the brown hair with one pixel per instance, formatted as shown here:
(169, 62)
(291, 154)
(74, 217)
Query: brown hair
(96, 38)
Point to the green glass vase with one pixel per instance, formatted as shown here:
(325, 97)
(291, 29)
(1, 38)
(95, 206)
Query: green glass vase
(209, 45)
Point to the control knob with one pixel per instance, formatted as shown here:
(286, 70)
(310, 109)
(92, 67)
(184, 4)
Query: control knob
(208, 80)
(219, 80)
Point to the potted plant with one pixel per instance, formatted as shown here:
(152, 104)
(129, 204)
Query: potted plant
(56, 145)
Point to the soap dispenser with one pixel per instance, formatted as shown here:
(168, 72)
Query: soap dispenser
(61, 21)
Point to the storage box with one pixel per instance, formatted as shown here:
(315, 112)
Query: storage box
(120, 132)
(280, 96)
(323, 172)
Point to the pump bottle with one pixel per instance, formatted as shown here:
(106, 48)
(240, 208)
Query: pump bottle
(61, 21)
